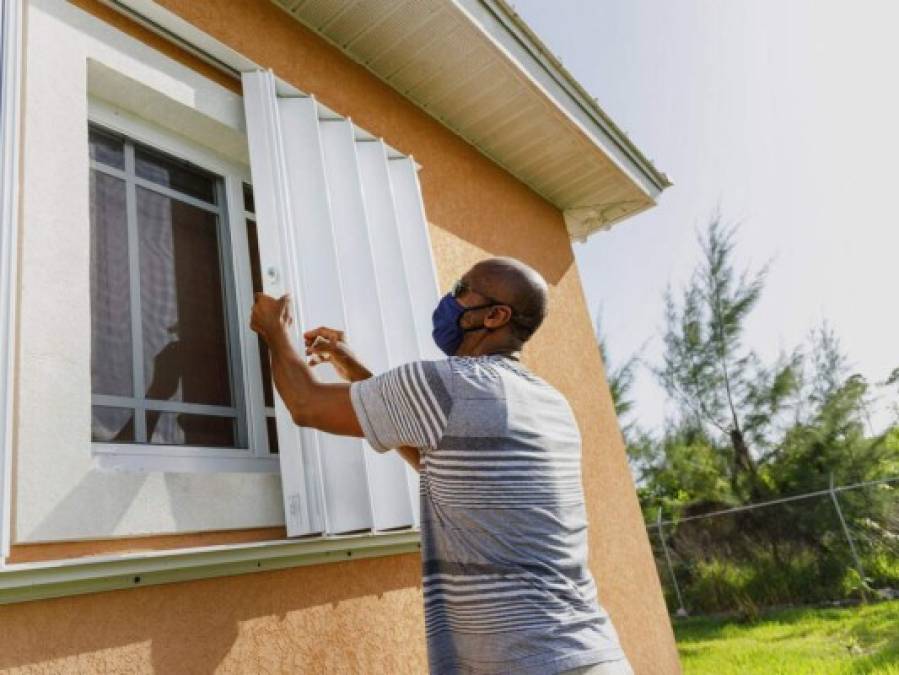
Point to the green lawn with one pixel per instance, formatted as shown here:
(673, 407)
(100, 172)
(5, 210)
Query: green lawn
(794, 642)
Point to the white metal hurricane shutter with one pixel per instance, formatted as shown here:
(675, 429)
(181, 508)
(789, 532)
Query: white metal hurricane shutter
(342, 228)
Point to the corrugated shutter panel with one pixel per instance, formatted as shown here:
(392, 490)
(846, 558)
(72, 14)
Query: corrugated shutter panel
(342, 228)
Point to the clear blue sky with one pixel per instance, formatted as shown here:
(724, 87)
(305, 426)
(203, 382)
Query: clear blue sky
(784, 112)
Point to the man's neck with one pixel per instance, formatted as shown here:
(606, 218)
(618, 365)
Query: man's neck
(484, 348)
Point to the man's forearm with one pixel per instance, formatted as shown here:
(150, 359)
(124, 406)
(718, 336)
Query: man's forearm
(293, 378)
(310, 403)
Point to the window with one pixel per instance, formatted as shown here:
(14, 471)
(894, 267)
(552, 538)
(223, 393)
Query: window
(166, 367)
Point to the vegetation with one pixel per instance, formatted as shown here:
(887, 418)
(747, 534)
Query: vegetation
(847, 641)
(747, 431)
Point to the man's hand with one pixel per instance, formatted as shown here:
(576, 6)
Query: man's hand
(270, 316)
(328, 344)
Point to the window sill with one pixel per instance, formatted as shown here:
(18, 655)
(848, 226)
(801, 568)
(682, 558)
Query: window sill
(39, 581)
(141, 458)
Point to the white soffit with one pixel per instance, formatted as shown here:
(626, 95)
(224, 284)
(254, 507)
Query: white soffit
(476, 66)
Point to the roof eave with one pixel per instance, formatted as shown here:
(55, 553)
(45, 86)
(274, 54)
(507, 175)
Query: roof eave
(499, 20)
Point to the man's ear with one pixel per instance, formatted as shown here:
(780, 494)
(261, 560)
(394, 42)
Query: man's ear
(498, 316)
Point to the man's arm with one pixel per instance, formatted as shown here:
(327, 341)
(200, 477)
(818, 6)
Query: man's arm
(324, 406)
(327, 345)
(311, 403)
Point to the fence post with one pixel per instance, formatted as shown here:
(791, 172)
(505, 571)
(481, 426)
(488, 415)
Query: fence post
(855, 557)
(681, 610)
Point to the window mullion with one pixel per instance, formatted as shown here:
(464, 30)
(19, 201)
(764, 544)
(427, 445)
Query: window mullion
(145, 184)
(114, 401)
(137, 337)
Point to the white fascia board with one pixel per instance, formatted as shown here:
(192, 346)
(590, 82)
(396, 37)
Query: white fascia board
(499, 22)
(11, 30)
(42, 580)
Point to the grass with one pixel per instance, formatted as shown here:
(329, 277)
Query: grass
(847, 641)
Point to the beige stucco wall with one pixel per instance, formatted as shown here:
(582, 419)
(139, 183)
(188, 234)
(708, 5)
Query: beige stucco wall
(366, 616)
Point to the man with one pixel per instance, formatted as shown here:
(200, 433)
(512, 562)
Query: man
(504, 532)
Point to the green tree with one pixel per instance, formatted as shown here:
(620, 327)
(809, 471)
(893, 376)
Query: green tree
(830, 436)
(683, 470)
(746, 430)
(721, 385)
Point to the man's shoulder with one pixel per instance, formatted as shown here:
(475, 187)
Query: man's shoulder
(488, 377)
(478, 377)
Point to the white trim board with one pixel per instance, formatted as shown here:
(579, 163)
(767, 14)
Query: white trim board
(11, 21)
(39, 581)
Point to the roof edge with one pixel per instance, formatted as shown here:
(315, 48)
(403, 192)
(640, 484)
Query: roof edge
(579, 99)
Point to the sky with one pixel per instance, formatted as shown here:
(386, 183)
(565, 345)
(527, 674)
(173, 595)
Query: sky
(783, 114)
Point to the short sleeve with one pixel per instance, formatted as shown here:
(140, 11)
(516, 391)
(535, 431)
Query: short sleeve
(408, 405)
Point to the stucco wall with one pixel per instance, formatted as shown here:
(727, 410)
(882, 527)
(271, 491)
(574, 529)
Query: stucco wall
(366, 616)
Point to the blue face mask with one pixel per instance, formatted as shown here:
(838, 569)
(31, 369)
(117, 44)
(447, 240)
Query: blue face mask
(447, 332)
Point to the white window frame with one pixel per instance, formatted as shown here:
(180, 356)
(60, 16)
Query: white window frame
(154, 457)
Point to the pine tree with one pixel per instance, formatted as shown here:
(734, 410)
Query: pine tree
(721, 385)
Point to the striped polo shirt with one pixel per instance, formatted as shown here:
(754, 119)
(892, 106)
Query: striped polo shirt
(504, 529)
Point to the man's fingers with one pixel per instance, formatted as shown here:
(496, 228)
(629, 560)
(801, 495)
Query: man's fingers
(324, 331)
(330, 334)
(320, 345)
(284, 307)
(319, 351)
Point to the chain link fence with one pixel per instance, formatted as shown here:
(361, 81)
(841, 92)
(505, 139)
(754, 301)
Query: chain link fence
(840, 543)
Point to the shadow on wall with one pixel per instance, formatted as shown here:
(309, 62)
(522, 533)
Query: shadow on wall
(490, 213)
(264, 622)
(113, 494)
(112, 503)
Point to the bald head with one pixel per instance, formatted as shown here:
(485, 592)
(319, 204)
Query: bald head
(520, 286)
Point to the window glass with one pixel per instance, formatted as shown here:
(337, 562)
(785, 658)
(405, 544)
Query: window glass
(112, 425)
(110, 288)
(174, 174)
(256, 274)
(271, 426)
(107, 149)
(182, 313)
(249, 204)
(169, 428)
